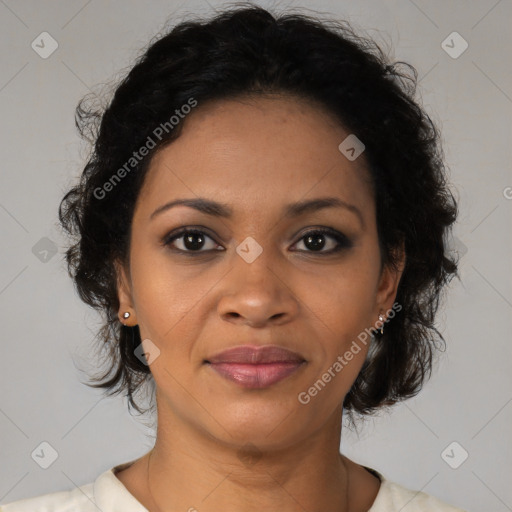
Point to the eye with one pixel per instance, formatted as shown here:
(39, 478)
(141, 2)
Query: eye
(190, 241)
(315, 241)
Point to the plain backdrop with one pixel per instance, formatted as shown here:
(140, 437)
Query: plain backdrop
(47, 332)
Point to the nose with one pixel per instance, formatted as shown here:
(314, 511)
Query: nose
(257, 295)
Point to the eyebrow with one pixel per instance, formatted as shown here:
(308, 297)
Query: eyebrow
(213, 208)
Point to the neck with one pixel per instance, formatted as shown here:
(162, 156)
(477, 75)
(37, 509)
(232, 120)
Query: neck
(187, 470)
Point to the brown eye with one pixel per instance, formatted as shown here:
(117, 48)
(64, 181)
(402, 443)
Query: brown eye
(316, 240)
(190, 240)
(194, 241)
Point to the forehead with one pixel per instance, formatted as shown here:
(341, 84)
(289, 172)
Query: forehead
(274, 149)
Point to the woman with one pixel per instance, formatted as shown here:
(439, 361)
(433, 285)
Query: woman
(262, 224)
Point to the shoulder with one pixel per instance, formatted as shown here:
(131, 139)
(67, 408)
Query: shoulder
(106, 493)
(80, 499)
(394, 497)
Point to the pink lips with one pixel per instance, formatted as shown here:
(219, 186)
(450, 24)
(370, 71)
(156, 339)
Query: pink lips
(256, 367)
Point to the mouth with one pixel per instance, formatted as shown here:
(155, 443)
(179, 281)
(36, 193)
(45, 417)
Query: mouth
(256, 367)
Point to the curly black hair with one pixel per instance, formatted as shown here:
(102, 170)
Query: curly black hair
(246, 50)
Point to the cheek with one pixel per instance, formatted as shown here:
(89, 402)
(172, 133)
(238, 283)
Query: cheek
(345, 302)
(164, 298)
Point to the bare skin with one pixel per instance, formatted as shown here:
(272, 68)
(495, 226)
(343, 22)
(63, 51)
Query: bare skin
(255, 156)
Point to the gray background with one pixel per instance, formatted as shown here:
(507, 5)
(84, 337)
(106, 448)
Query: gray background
(47, 332)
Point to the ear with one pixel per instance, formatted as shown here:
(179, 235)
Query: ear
(389, 281)
(124, 291)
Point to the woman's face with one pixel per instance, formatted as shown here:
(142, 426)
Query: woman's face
(253, 277)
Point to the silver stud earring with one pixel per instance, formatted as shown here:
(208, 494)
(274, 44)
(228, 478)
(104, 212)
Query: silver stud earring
(126, 315)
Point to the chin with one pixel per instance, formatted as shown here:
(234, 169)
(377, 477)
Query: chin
(266, 423)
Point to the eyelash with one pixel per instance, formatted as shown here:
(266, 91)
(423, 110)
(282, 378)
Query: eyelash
(342, 240)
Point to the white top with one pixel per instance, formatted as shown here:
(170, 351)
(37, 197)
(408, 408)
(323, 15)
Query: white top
(108, 494)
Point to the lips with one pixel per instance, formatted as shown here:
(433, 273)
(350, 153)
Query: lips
(249, 354)
(256, 367)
